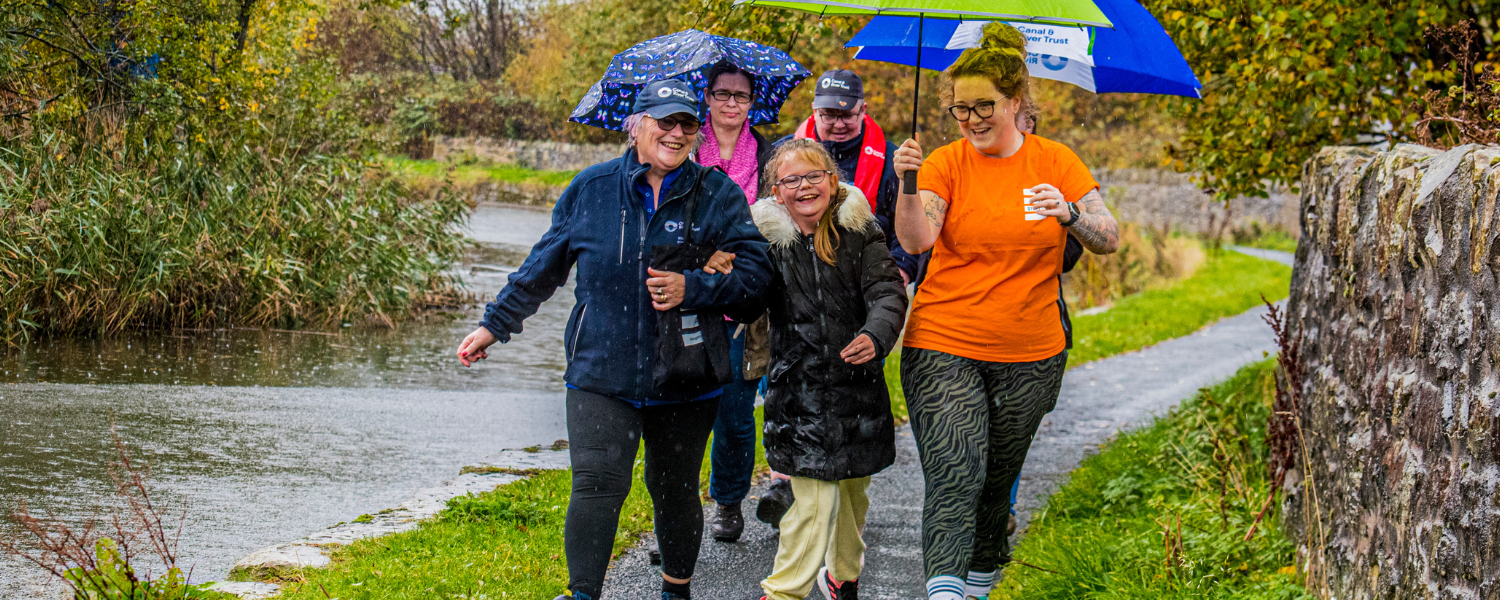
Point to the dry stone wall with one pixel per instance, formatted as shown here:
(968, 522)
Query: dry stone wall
(540, 155)
(1395, 302)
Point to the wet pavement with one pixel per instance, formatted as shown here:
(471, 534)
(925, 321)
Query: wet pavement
(264, 437)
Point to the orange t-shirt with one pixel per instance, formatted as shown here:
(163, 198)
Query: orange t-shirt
(991, 289)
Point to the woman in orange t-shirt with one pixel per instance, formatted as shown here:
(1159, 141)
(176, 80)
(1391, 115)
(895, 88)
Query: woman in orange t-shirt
(985, 348)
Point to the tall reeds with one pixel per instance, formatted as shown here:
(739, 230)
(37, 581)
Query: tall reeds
(249, 230)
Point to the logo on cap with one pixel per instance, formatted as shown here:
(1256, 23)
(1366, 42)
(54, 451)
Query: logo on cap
(829, 82)
(664, 92)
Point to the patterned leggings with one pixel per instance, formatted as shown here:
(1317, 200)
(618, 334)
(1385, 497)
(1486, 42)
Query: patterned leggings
(973, 421)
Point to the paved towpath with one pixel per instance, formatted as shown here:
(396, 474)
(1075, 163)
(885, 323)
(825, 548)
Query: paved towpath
(1097, 400)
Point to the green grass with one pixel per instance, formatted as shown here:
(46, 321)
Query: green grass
(501, 544)
(449, 556)
(1105, 533)
(1228, 284)
(466, 175)
(1275, 239)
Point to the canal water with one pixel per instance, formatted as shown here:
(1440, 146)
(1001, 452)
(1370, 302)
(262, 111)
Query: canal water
(261, 437)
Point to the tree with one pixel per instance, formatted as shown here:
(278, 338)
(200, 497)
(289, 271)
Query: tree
(1283, 79)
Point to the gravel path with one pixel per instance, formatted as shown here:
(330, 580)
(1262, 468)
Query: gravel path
(1097, 400)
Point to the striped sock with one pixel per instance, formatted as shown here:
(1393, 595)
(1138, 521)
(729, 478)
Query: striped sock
(978, 584)
(945, 587)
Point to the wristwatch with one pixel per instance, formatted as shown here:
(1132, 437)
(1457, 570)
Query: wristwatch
(1073, 214)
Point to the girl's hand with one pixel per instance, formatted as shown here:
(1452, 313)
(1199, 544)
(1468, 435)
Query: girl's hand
(720, 262)
(667, 289)
(472, 349)
(908, 158)
(859, 351)
(1050, 202)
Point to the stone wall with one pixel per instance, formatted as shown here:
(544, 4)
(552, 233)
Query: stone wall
(545, 156)
(1155, 197)
(1165, 199)
(1394, 299)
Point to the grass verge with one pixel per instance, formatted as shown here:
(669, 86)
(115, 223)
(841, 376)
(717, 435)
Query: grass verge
(1230, 283)
(1163, 511)
(468, 175)
(450, 556)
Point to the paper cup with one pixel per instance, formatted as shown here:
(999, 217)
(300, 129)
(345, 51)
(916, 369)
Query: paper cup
(1031, 214)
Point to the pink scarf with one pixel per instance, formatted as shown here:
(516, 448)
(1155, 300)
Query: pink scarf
(741, 165)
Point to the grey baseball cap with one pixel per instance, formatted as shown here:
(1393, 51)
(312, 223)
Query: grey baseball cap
(667, 97)
(838, 89)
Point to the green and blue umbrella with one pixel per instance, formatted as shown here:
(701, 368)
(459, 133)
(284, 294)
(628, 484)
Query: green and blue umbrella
(688, 55)
(1136, 56)
(1045, 12)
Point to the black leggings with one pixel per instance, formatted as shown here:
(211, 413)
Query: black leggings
(603, 435)
(973, 421)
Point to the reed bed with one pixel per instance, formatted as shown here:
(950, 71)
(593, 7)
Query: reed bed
(98, 238)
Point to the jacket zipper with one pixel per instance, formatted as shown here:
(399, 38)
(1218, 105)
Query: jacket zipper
(622, 234)
(577, 330)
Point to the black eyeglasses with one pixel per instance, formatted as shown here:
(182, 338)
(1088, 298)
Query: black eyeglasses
(983, 110)
(795, 181)
(689, 125)
(725, 95)
(829, 117)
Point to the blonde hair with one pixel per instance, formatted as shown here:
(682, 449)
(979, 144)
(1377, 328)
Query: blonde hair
(826, 237)
(1000, 58)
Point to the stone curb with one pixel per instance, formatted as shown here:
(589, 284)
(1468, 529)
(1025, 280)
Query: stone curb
(505, 467)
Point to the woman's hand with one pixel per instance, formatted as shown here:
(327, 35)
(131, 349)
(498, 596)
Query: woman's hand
(908, 158)
(720, 262)
(1050, 202)
(667, 289)
(859, 351)
(472, 349)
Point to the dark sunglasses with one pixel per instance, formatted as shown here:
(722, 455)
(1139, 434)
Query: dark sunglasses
(725, 95)
(983, 110)
(690, 126)
(795, 181)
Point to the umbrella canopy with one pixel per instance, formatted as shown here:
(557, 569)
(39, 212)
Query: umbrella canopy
(1055, 12)
(1136, 56)
(688, 55)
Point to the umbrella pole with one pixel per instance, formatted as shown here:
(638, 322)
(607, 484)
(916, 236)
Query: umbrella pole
(909, 182)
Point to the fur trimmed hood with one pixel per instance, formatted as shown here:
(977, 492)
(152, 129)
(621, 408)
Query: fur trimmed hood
(775, 221)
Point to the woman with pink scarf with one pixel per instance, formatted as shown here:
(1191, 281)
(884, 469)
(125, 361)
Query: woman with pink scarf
(732, 145)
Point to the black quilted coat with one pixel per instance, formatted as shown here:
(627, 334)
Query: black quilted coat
(825, 418)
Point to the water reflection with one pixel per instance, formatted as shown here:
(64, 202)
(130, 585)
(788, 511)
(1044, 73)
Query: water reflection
(267, 436)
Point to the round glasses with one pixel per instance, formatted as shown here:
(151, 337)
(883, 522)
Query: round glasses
(725, 95)
(795, 181)
(983, 110)
(689, 125)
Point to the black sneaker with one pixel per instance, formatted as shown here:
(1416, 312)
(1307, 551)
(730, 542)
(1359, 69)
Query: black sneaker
(775, 502)
(730, 524)
(653, 552)
(832, 590)
(671, 596)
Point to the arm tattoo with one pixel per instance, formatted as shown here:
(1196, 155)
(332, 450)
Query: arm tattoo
(1096, 228)
(937, 211)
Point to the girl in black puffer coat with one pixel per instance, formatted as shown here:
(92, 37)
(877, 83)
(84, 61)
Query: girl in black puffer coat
(836, 307)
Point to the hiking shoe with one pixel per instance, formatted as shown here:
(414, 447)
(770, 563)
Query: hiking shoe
(671, 596)
(731, 523)
(1010, 527)
(775, 502)
(832, 590)
(653, 552)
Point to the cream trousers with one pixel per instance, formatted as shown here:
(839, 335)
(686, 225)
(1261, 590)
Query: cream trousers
(824, 526)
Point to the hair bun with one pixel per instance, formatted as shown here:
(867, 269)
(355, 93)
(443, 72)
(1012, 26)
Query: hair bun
(1004, 39)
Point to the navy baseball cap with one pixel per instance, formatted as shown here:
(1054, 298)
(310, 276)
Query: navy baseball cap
(838, 89)
(666, 97)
